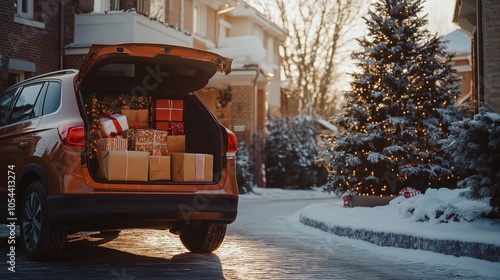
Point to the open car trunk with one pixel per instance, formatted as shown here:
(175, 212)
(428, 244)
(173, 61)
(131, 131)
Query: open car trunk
(139, 98)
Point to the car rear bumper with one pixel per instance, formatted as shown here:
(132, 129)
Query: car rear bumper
(93, 212)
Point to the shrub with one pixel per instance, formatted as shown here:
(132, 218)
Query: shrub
(244, 168)
(476, 142)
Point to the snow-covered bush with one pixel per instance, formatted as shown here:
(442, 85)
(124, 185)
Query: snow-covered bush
(277, 150)
(476, 143)
(291, 149)
(440, 206)
(244, 167)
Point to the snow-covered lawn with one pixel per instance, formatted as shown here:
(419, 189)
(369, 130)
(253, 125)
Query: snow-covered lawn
(437, 214)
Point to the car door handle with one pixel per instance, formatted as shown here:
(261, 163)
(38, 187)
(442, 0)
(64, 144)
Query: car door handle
(22, 145)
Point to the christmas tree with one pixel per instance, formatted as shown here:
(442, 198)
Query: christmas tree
(400, 105)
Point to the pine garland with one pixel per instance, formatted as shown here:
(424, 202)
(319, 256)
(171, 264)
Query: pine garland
(135, 102)
(94, 112)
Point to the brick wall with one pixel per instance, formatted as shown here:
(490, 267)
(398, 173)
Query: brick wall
(242, 113)
(242, 110)
(188, 16)
(261, 110)
(173, 13)
(128, 4)
(491, 53)
(198, 44)
(40, 46)
(211, 24)
(73, 61)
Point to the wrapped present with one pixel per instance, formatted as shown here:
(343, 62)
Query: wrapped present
(173, 128)
(168, 110)
(176, 143)
(409, 192)
(191, 167)
(112, 144)
(124, 165)
(147, 140)
(136, 118)
(130, 135)
(113, 124)
(159, 168)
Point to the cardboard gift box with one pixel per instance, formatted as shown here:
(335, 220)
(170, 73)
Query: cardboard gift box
(148, 140)
(113, 124)
(191, 167)
(136, 118)
(159, 168)
(168, 110)
(112, 144)
(124, 165)
(176, 143)
(173, 128)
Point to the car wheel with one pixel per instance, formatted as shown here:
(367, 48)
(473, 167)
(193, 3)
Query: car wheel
(40, 240)
(204, 238)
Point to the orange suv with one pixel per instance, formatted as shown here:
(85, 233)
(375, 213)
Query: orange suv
(123, 143)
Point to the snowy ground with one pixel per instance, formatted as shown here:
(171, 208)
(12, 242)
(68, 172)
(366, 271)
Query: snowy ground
(437, 215)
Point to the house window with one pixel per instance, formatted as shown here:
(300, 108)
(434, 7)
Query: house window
(259, 33)
(14, 77)
(101, 6)
(196, 19)
(270, 50)
(200, 19)
(25, 8)
(157, 10)
(25, 14)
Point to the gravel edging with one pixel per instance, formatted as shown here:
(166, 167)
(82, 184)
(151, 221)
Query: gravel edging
(456, 248)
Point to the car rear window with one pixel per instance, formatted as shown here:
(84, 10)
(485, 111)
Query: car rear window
(52, 98)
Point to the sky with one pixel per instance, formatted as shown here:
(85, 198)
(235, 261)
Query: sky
(440, 15)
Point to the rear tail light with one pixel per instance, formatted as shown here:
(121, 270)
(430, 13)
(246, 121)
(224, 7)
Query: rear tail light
(72, 135)
(232, 144)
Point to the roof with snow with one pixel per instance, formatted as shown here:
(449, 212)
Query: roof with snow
(326, 124)
(458, 42)
(245, 50)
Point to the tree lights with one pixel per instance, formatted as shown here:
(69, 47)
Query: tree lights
(397, 110)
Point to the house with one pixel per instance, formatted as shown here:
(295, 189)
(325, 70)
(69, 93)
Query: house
(33, 35)
(459, 43)
(44, 36)
(480, 19)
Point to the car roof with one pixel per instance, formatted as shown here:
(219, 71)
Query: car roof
(53, 74)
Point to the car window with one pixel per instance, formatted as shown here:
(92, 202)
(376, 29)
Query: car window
(52, 98)
(23, 109)
(5, 101)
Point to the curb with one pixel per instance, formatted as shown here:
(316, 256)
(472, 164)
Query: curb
(456, 248)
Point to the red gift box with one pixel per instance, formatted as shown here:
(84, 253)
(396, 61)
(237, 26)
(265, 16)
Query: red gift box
(173, 128)
(168, 110)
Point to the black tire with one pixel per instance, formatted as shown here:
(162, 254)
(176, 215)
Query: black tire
(41, 241)
(204, 238)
